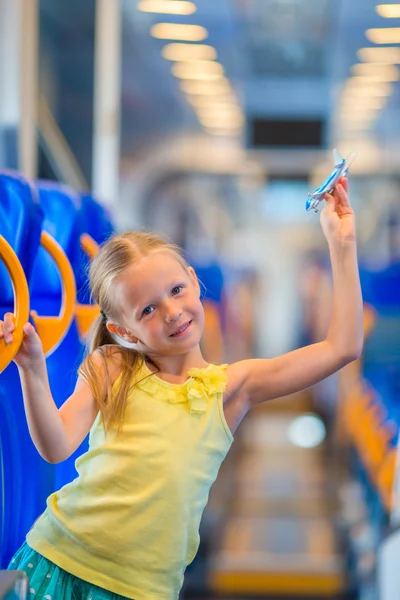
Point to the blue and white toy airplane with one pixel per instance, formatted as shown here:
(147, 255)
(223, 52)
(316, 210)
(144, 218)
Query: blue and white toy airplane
(340, 170)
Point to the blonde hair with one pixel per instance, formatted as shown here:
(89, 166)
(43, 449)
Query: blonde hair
(115, 255)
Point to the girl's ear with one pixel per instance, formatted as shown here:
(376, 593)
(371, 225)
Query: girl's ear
(121, 332)
(194, 279)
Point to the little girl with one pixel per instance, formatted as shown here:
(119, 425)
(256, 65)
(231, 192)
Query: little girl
(161, 419)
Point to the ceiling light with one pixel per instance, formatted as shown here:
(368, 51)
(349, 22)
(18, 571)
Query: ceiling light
(357, 114)
(205, 70)
(357, 96)
(230, 128)
(363, 102)
(354, 118)
(189, 52)
(372, 79)
(175, 31)
(356, 126)
(388, 11)
(363, 83)
(221, 86)
(219, 110)
(356, 121)
(222, 121)
(351, 123)
(359, 105)
(389, 35)
(170, 7)
(355, 88)
(389, 55)
(214, 100)
(388, 72)
(180, 69)
(197, 76)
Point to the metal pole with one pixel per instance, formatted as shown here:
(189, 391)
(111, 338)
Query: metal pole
(28, 70)
(9, 83)
(106, 136)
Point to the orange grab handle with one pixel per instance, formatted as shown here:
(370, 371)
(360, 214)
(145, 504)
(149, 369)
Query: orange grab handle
(86, 314)
(370, 319)
(21, 302)
(89, 245)
(52, 330)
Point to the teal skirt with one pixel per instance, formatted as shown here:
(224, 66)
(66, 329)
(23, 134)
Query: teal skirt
(49, 582)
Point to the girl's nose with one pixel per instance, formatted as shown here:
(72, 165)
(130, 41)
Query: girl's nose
(172, 314)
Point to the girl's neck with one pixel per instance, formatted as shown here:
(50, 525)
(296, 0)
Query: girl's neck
(176, 366)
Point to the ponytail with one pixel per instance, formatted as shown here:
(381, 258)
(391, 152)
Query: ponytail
(111, 406)
(99, 335)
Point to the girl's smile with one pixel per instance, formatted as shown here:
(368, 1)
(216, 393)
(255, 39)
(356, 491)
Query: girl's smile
(182, 329)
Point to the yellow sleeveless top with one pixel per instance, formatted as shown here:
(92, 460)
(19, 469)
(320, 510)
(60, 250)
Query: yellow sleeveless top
(129, 522)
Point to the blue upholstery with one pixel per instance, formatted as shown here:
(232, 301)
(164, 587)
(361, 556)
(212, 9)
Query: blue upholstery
(96, 221)
(382, 288)
(381, 366)
(24, 472)
(62, 220)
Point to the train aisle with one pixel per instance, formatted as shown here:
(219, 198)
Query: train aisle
(275, 510)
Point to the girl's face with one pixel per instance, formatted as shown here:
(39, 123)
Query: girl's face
(160, 305)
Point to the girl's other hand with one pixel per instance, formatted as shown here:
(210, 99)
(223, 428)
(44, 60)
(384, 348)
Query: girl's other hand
(337, 217)
(31, 349)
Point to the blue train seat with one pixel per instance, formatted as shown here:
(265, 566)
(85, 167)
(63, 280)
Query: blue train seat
(95, 221)
(381, 373)
(381, 361)
(211, 280)
(24, 473)
(381, 288)
(62, 220)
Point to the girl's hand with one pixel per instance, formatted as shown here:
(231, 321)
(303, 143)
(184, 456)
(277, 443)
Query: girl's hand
(31, 349)
(337, 217)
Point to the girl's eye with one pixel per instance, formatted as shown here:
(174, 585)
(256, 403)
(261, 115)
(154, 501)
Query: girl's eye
(148, 310)
(176, 290)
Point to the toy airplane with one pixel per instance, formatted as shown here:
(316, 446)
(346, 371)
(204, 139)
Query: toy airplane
(341, 169)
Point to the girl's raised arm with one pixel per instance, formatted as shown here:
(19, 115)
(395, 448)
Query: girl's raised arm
(258, 380)
(55, 433)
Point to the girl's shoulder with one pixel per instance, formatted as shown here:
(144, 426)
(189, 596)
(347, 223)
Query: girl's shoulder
(236, 373)
(109, 358)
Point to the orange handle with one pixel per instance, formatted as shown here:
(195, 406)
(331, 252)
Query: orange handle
(370, 318)
(86, 314)
(52, 330)
(21, 302)
(89, 245)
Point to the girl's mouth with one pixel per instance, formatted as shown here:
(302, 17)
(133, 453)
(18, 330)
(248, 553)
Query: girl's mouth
(181, 329)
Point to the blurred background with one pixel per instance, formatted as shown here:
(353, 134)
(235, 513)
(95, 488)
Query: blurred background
(210, 121)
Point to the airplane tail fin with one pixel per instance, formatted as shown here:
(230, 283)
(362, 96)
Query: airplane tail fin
(349, 160)
(337, 158)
